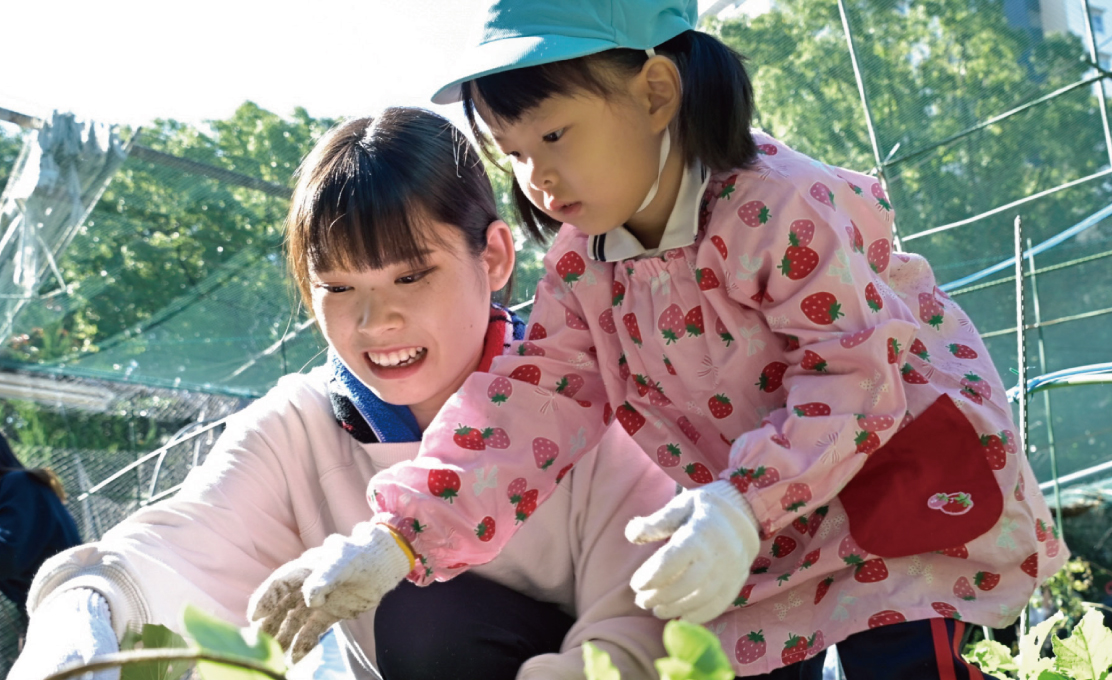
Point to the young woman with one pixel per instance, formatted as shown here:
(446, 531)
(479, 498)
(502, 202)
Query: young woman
(395, 243)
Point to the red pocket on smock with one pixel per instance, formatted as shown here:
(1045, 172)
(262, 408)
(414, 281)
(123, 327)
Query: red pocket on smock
(929, 488)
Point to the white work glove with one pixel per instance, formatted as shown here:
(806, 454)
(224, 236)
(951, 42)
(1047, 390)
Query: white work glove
(70, 628)
(340, 579)
(699, 572)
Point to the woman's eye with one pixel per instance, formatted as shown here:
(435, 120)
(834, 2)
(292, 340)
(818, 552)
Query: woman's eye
(413, 278)
(553, 136)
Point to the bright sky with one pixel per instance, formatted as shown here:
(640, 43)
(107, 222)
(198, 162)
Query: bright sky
(130, 61)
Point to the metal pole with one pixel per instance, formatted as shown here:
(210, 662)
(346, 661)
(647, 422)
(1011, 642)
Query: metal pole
(897, 243)
(1046, 393)
(1021, 344)
(1021, 349)
(1095, 57)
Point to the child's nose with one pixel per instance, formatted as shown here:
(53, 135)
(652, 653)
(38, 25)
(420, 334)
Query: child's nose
(540, 175)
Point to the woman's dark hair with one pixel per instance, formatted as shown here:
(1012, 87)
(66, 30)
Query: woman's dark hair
(712, 125)
(46, 476)
(367, 192)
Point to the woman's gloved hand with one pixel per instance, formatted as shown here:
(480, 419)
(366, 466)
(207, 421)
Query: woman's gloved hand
(340, 579)
(71, 627)
(699, 572)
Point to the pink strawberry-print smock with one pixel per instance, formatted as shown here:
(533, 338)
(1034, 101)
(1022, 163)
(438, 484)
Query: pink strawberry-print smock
(776, 341)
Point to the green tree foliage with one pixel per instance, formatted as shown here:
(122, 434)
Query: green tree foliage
(530, 255)
(159, 241)
(931, 69)
(162, 240)
(41, 430)
(160, 233)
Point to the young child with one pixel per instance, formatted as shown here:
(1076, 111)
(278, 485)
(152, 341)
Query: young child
(851, 466)
(395, 244)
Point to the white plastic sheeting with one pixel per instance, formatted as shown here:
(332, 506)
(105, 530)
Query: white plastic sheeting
(60, 174)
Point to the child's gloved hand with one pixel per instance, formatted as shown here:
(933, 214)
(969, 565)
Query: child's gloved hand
(702, 568)
(71, 627)
(340, 579)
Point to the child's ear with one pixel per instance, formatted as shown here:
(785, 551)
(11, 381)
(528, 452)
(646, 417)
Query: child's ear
(661, 90)
(499, 254)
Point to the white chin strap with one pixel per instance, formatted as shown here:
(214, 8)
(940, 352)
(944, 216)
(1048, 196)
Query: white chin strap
(665, 147)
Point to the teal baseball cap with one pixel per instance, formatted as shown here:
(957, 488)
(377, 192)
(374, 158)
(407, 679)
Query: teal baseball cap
(521, 33)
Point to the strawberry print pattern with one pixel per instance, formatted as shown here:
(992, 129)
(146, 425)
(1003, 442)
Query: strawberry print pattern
(782, 382)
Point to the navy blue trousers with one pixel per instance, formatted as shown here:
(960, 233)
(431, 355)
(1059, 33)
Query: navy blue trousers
(473, 628)
(916, 650)
(467, 628)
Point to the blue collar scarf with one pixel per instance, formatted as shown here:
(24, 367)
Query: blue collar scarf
(393, 423)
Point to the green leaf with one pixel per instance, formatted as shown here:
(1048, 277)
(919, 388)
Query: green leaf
(674, 669)
(695, 654)
(1051, 675)
(1031, 662)
(213, 635)
(1087, 653)
(131, 640)
(597, 664)
(153, 637)
(991, 657)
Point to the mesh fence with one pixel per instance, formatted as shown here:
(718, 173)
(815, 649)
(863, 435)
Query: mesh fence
(931, 78)
(104, 487)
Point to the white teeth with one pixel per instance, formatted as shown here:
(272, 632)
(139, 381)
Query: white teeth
(397, 358)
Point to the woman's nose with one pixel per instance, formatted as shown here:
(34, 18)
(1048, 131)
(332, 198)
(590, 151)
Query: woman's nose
(381, 315)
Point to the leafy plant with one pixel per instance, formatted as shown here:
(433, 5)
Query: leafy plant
(1086, 654)
(210, 634)
(694, 653)
(220, 650)
(597, 664)
(153, 637)
(1070, 590)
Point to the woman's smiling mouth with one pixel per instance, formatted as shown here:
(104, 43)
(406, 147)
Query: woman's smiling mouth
(397, 358)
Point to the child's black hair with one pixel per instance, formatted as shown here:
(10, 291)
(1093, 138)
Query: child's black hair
(367, 192)
(713, 123)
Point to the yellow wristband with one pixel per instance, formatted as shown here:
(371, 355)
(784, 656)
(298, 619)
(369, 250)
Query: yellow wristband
(403, 543)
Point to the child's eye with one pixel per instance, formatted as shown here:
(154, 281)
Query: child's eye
(413, 278)
(554, 136)
(332, 289)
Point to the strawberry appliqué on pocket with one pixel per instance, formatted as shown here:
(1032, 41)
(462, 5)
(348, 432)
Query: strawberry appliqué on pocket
(930, 487)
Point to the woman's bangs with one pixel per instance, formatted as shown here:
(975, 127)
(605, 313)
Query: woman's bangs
(364, 220)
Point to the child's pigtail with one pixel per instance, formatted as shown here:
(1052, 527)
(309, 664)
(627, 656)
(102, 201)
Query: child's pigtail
(717, 109)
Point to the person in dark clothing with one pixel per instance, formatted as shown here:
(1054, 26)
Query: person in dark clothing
(34, 525)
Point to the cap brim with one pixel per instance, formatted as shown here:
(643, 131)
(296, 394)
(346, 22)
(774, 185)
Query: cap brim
(513, 53)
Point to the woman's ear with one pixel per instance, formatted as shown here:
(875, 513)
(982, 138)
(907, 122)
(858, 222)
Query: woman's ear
(660, 89)
(499, 254)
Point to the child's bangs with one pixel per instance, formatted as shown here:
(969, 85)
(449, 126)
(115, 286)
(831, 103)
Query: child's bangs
(365, 219)
(509, 95)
